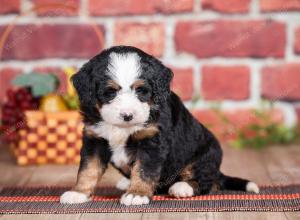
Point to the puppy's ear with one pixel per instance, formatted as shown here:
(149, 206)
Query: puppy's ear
(85, 85)
(162, 82)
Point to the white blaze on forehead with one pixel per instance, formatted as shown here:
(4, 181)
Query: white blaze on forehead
(124, 68)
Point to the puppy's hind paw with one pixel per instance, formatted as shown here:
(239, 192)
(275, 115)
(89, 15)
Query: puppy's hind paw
(73, 197)
(181, 190)
(131, 199)
(252, 187)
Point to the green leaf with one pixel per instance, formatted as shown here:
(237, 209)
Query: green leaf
(41, 84)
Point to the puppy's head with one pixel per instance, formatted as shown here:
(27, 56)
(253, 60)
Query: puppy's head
(123, 86)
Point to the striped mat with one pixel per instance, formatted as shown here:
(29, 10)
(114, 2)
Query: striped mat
(36, 200)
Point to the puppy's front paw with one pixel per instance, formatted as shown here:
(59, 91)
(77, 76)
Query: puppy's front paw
(181, 190)
(131, 199)
(72, 197)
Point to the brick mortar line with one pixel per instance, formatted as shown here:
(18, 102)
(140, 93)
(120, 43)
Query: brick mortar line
(197, 74)
(290, 40)
(169, 50)
(197, 6)
(289, 112)
(180, 63)
(255, 84)
(189, 16)
(177, 61)
(83, 8)
(25, 5)
(109, 32)
(254, 7)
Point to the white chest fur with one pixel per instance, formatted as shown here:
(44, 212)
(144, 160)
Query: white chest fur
(117, 138)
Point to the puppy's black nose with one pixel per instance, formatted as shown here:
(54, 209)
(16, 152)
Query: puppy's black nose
(127, 117)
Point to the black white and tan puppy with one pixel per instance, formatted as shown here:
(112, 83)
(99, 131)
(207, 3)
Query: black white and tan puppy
(133, 121)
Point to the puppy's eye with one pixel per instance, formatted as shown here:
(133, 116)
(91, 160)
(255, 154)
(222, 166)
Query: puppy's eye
(142, 90)
(110, 92)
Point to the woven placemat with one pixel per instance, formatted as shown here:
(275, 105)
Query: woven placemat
(36, 200)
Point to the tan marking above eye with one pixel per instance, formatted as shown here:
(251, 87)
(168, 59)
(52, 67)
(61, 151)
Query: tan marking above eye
(113, 84)
(138, 83)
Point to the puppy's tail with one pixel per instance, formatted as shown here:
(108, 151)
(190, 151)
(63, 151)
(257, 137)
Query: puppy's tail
(235, 183)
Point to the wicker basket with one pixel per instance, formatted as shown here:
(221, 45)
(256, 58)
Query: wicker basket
(49, 138)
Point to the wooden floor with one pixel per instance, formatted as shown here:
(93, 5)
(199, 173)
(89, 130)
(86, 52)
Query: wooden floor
(270, 166)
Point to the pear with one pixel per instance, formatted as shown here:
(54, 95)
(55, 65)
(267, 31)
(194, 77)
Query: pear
(53, 103)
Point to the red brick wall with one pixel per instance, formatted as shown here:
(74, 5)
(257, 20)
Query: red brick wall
(235, 52)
